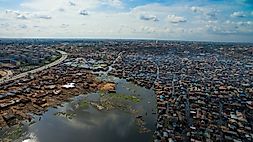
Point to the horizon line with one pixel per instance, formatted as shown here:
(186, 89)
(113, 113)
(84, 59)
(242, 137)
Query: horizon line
(111, 38)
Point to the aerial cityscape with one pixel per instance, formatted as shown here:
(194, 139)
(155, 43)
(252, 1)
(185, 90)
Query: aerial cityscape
(120, 70)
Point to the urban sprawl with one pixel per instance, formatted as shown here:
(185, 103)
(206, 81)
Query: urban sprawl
(204, 90)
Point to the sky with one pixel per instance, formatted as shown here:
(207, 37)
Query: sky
(201, 20)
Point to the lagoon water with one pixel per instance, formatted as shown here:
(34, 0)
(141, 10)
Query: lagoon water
(92, 125)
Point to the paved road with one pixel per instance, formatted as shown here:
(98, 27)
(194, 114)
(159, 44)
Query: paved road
(119, 56)
(63, 57)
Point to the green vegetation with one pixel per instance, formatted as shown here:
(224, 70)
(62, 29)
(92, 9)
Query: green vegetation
(84, 104)
(50, 60)
(118, 101)
(65, 114)
(101, 93)
(96, 65)
(54, 57)
(124, 97)
(13, 134)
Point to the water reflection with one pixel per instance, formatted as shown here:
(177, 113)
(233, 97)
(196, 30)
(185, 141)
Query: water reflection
(92, 125)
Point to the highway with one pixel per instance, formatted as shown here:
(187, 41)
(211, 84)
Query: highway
(64, 56)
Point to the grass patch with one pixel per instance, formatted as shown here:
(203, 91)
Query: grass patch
(124, 97)
(84, 104)
(101, 93)
(96, 65)
(65, 114)
(14, 134)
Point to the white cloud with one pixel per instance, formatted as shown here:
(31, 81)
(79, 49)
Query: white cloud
(12, 12)
(228, 22)
(114, 3)
(176, 19)
(61, 9)
(22, 26)
(211, 13)
(197, 9)
(243, 23)
(64, 25)
(22, 17)
(149, 17)
(47, 5)
(72, 3)
(147, 29)
(213, 22)
(25, 15)
(42, 16)
(238, 14)
(43, 5)
(230, 27)
(49, 18)
(83, 12)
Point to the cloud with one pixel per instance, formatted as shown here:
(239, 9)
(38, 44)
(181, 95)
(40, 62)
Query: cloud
(147, 29)
(239, 14)
(149, 17)
(43, 17)
(114, 3)
(49, 5)
(106, 17)
(211, 13)
(197, 9)
(215, 29)
(83, 12)
(176, 19)
(17, 14)
(72, 3)
(26, 15)
(61, 9)
(42, 5)
(23, 26)
(12, 12)
(4, 25)
(22, 17)
(229, 27)
(64, 25)
(243, 23)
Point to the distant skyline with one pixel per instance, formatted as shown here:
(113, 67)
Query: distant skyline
(201, 20)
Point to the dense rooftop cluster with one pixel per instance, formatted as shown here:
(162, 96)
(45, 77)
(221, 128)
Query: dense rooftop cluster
(204, 93)
(35, 93)
(20, 58)
(204, 90)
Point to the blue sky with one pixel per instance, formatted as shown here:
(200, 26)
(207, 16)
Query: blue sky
(208, 20)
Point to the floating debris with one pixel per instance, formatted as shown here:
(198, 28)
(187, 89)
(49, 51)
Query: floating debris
(99, 107)
(66, 114)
